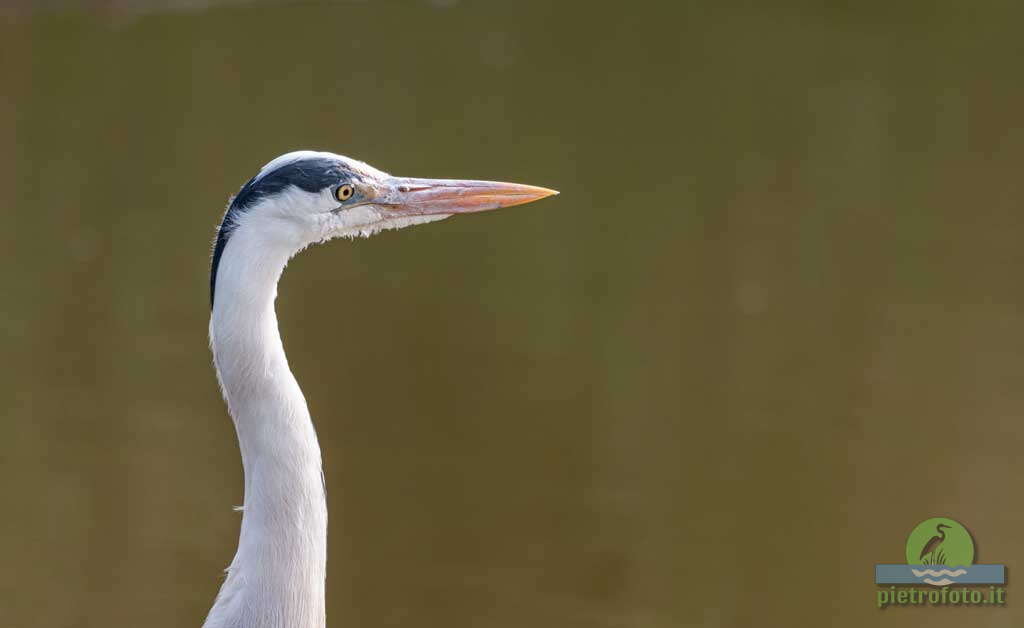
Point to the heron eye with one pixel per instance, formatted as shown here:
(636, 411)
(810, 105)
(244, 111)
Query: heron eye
(344, 192)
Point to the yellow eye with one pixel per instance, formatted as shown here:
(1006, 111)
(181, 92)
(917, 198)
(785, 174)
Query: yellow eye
(344, 192)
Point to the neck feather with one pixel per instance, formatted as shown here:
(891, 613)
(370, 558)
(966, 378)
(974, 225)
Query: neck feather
(276, 579)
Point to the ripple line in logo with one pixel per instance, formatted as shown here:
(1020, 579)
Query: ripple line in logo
(935, 573)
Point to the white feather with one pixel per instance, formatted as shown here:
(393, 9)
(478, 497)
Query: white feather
(276, 579)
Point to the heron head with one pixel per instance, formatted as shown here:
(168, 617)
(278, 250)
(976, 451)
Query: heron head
(305, 197)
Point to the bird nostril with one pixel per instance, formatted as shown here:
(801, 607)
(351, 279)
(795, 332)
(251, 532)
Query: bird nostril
(412, 188)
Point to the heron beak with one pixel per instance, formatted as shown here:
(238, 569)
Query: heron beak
(420, 197)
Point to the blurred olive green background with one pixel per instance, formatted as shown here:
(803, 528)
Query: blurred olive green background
(773, 321)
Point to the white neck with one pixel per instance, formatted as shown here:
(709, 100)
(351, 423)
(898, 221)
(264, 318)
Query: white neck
(276, 579)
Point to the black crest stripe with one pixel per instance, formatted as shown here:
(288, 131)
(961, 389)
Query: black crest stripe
(312, 175)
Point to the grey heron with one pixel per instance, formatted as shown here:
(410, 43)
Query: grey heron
(931, 553)
(276, 579)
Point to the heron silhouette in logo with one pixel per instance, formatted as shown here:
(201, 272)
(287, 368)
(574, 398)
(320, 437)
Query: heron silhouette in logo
(932, 552)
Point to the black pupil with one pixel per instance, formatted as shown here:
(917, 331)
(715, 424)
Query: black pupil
(346, 191)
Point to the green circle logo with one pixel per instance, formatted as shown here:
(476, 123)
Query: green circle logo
(940, 541)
